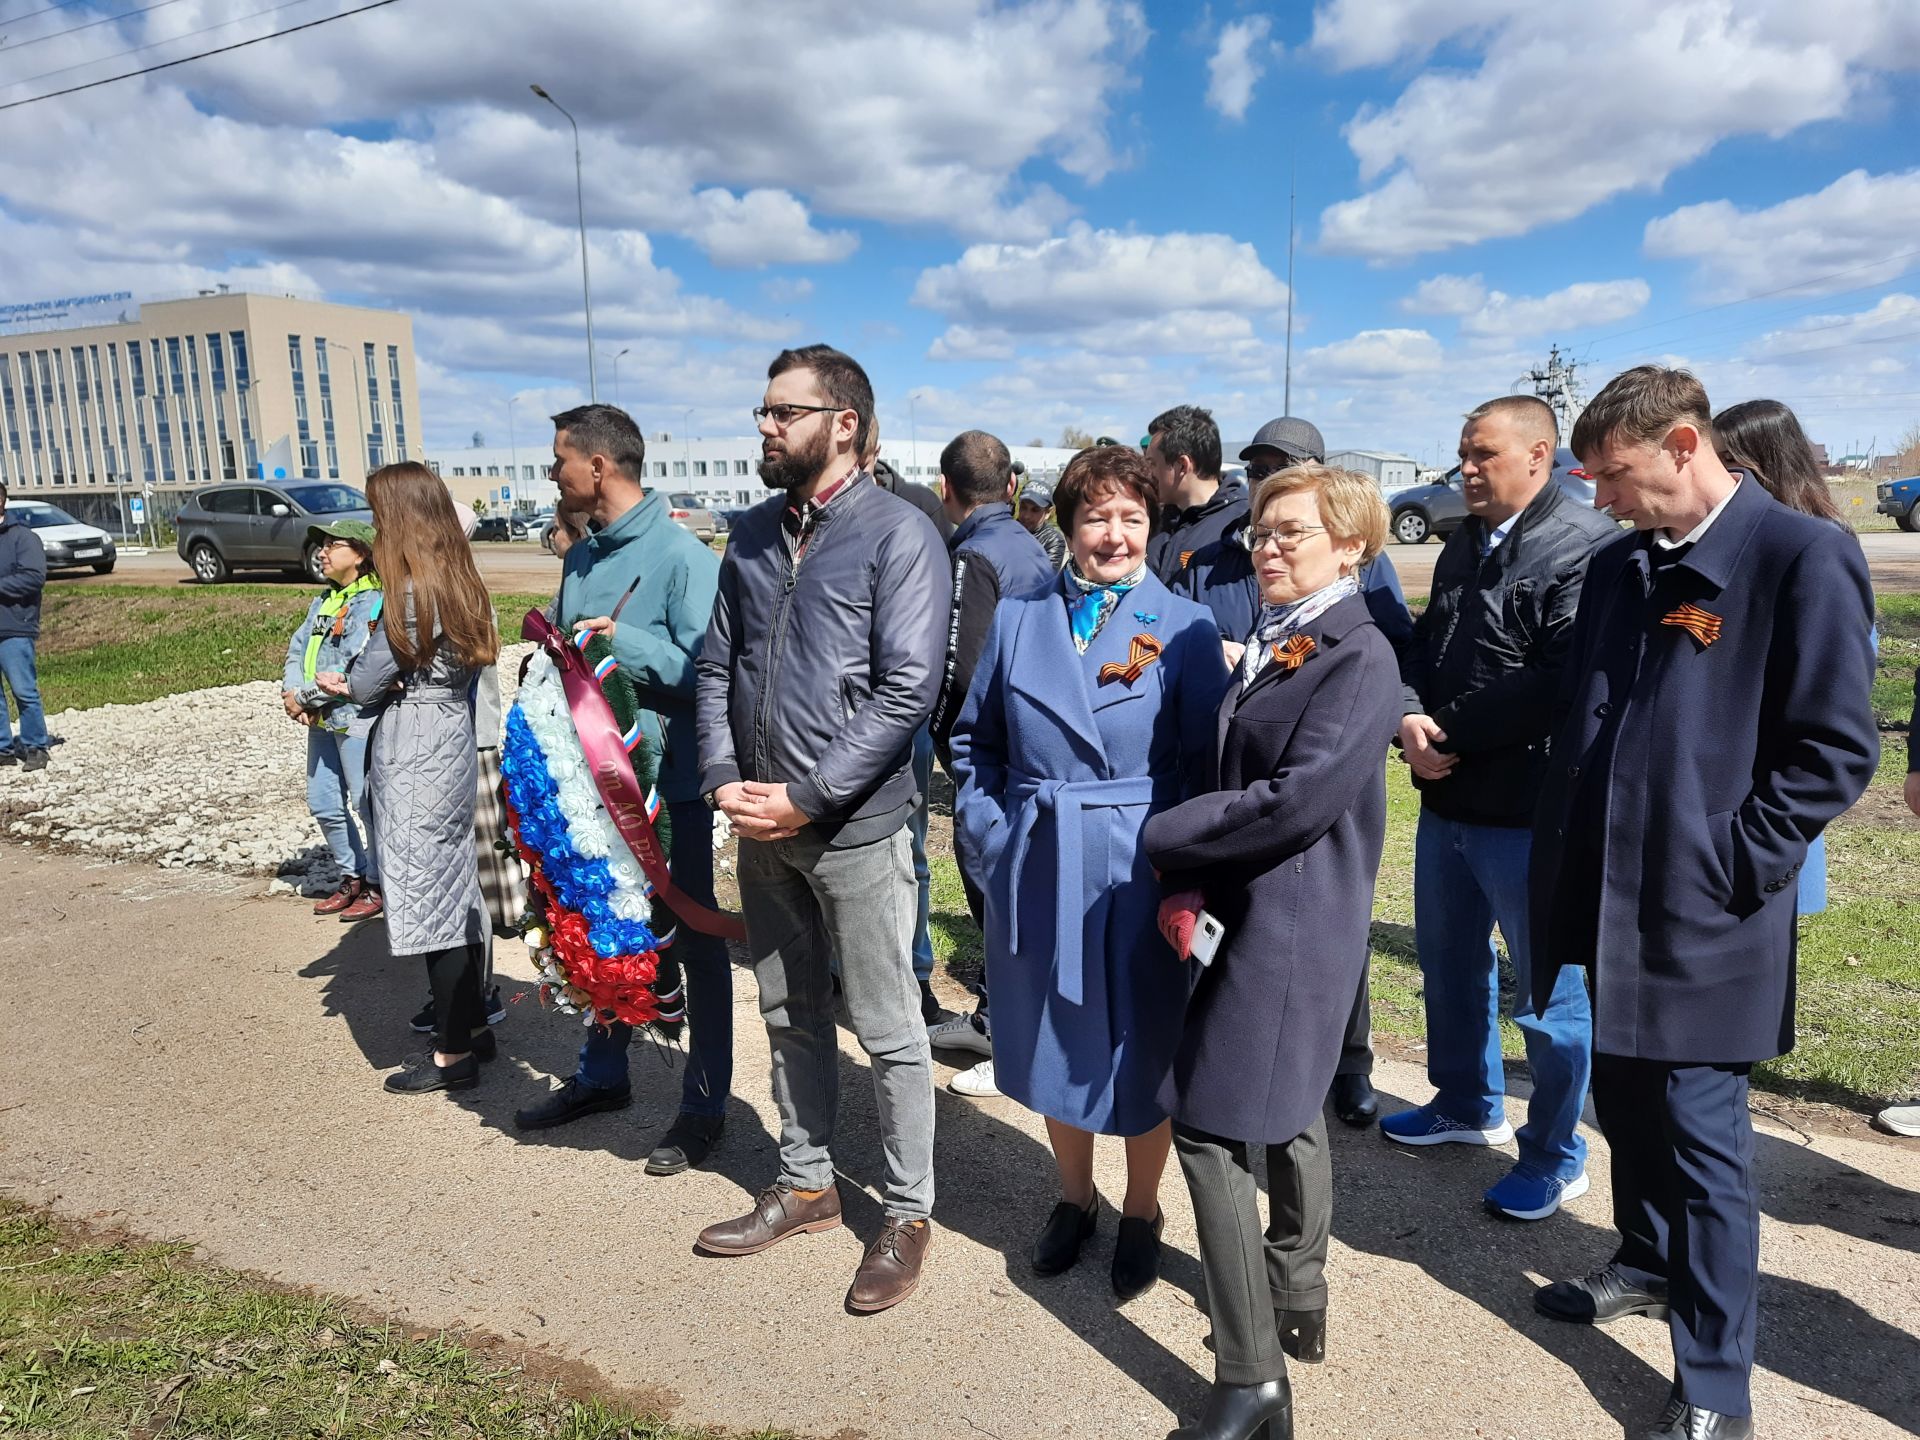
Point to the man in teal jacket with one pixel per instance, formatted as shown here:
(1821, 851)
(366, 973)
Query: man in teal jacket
(648, 585)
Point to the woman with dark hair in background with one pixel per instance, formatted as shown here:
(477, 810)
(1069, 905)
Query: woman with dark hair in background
(437, 633)
(1764, 438)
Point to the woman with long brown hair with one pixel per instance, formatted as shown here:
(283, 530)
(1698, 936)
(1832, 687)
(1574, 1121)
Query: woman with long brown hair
(437, 633)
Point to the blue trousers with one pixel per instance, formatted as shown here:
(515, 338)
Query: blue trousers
(337, 796)
(709, 985)
(1688, 1211)
(16, 667)
(1465, 877)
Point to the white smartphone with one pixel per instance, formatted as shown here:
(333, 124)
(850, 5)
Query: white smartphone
(1208, 932)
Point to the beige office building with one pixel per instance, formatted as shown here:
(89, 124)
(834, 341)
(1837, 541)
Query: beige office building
(180, 394)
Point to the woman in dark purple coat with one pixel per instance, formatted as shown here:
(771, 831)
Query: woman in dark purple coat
(1283, 853)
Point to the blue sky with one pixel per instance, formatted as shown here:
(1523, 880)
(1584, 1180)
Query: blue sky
(1021, 216)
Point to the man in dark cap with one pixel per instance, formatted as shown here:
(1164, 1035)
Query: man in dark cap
(1034, 509)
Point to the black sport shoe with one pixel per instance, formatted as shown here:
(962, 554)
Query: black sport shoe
(688, 1141)
(422, 1022)
(7, 757)
(496, 1007)
(568, 1103)
(461, 1075)
(33, 759)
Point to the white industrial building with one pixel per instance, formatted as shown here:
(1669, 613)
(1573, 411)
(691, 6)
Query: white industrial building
(1390, 470)
(724, 474)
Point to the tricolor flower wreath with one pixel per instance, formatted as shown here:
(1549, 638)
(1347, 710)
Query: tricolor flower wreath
(599, 934)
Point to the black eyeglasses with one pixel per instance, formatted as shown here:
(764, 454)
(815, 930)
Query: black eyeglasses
(785, 415)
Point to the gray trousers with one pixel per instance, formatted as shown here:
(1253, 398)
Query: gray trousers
(1252, 1274)
(804, 901)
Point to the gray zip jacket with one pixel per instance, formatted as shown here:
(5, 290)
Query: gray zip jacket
(817, 673)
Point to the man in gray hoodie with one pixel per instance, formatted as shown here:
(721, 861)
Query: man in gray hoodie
(23, 574)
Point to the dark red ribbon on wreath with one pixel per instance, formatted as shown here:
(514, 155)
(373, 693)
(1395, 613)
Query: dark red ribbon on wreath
(613, 777)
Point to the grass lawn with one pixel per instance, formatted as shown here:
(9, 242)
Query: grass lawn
(100, 1340)
(124, 644)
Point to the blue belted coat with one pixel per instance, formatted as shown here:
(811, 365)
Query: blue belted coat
(1058, 771)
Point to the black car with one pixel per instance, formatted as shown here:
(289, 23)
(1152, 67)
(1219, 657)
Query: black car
(258, 526)
(500, 527)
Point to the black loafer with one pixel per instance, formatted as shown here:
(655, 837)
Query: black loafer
(1136, 1256)
(1067, 1229)
(1303, 1334)
(1599, 1299)
(1354, 1100)
(571, 1101)
(688, 1141)
(463, 1074)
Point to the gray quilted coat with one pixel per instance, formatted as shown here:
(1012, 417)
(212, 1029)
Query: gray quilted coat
(422, 774)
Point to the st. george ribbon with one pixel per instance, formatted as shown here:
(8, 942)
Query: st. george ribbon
(614, 778)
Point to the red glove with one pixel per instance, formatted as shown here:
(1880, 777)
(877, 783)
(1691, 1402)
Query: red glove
(1179, 913)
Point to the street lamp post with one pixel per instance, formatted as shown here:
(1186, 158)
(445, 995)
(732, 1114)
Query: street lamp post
(580, 195)
(359, 402)
(913, 425)
(513, 475)
(616, 376)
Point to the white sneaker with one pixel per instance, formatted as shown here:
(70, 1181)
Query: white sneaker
(1900, 1119)
(977, 1082)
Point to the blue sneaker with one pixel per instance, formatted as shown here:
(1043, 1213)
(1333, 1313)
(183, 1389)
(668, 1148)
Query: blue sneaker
(1524, 1194)
(1427, 1126)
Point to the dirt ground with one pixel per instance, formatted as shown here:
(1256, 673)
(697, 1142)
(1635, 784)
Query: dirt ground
(192, 1059)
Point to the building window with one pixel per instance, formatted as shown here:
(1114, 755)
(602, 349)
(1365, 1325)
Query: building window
(659, 469)
(700, 467)
(739, 467)
(328, 433)
(309, 452)
(680, 469)
(240, 375)
(376, 432)
(399, 406)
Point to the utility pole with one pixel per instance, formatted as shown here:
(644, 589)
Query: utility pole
(1286, 403)
(1557, 383)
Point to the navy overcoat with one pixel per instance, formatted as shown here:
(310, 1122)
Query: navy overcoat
(1058, 770)
(1286, 847)
(1719, 714)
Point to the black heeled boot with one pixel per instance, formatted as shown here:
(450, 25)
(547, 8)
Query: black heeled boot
(1246, 1412)
(1303, 1334)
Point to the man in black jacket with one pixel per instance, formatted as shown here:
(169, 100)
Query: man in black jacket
(1482, 671)
(822, 660)
(1183, 455)
(23, 575)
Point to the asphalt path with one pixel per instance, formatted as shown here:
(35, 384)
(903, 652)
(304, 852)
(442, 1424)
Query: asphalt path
(1893, 556)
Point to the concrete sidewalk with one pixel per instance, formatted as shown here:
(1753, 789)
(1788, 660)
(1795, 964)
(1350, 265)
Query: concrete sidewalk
(192, 1059)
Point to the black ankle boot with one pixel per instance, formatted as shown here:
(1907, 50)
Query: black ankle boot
(1246, 1412)
(1067, 1229)
(1303, 1334)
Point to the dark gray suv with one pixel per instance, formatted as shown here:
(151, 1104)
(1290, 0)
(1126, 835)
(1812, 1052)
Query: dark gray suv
(243, 527)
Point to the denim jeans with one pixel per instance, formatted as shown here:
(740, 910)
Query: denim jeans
(16, 667)
(803, 900)
(917, 835)
(1465, 878)
(708, 1078)
(337, 796)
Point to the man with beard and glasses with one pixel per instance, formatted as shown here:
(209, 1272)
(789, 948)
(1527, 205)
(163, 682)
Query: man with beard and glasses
(822, 661)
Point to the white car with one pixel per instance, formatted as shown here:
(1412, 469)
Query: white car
(69, 544)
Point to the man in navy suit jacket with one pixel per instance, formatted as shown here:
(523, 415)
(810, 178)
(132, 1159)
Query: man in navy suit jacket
(1718, 715)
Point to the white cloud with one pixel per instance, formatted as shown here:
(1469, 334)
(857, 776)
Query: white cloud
(1569, 106)
(1894, 323)
(1090, 278)
(1373, 355)
(1446, 295)
(1860, 230)
(1591, 302)
(1239, 60)
(763, 227)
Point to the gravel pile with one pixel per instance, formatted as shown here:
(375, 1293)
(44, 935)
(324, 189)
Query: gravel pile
(212, 777)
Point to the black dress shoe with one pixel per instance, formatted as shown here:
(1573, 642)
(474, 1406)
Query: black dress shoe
(463, 1074)
(1354, 1100)
(1600, 1299)
(1695, 1423)
(1136, 1256)
(1245, 1412)
(1067, 1229)
(688, 1141)
(1672, 1414)
(1303, 1334)
(570, 1102)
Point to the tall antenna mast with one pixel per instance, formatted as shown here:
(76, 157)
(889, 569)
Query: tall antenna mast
(1286, 405)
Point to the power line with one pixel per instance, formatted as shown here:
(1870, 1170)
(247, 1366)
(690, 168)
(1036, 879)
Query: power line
(156, 44)
(202, 55)
(89, 25)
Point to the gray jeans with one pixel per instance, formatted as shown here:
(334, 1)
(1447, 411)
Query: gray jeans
(803, 901)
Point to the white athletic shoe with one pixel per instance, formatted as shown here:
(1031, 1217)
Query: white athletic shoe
(1900, 1119)
(977, 1082)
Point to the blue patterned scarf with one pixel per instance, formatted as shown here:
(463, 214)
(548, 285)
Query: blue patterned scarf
(1090, 603)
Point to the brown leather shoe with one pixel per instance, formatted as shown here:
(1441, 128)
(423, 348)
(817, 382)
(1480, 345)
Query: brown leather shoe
(891, 1270)
(340, 899)
(365, 906)
(779, 1211)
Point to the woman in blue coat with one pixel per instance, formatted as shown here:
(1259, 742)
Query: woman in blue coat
(1092, 709)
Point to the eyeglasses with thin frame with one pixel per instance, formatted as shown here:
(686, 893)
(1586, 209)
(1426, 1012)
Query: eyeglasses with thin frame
(785, 415)
(1255, 537)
